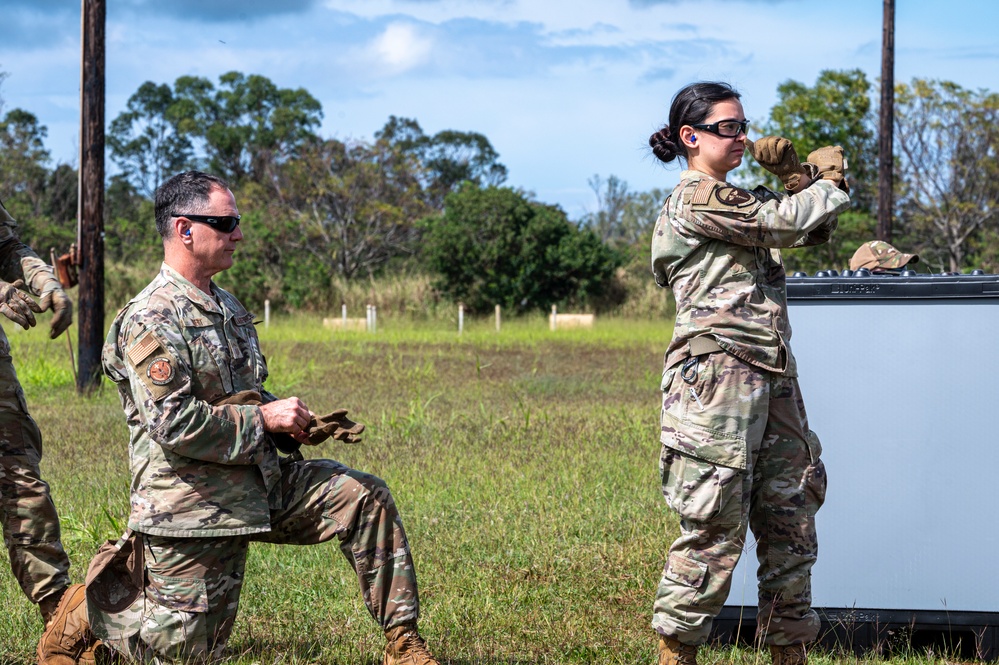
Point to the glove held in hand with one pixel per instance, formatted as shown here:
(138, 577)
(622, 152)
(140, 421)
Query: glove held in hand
(333, 425)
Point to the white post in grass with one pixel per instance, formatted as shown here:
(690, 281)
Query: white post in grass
(343, 315)
(267, 313)
(367, 318)
(553, 324)
(461, 318)
(497, 318)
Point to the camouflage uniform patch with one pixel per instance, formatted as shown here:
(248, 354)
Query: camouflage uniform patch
(736, 449)
(31, 530)
(207, 481)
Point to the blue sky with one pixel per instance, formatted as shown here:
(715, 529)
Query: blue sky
(563, 89)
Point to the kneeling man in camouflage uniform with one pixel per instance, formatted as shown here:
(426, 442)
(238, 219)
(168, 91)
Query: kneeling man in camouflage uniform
(207, 479)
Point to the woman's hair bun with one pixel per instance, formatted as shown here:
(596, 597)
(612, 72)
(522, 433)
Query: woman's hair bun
(663, 146)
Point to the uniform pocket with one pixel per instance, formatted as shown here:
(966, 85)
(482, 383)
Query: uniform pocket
(685, 571)
(177, 593)
(209, 371)
(816, 481)
(700, 491)
(174, 622)
(20, 438)
(708, 407)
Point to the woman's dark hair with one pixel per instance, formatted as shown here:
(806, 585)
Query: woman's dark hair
(691, 105)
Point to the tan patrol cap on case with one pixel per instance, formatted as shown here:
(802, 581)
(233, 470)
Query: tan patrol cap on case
(879, 255)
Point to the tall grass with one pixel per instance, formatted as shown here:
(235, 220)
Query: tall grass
(525, 467)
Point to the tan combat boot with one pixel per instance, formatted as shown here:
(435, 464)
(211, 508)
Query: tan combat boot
(67, 638)
(792, 654)
(675, 652)
(406, 647)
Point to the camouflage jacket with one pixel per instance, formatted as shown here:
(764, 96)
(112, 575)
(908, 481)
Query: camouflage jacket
(198, 470)
(717, 247)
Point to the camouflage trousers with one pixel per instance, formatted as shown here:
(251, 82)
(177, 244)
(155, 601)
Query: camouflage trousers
(30, 522)
(193, 584)
(737, 453)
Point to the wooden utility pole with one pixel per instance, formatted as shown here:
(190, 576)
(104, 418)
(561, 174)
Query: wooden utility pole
(90, 231)
(886, 163)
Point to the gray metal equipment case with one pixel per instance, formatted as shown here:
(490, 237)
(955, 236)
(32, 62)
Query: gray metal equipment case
(898, 376)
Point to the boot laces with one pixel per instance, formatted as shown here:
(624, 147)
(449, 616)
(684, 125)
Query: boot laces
(411, 644)
(683, 654)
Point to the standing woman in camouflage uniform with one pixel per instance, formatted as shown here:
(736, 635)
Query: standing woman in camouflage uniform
(736, 448)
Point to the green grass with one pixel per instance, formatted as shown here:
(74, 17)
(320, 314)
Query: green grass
(524, 464)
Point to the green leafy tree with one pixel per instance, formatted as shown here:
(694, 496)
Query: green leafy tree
(448, 158)
(247, 126)
(42, 200)
(357, 204)
(493, 246)
(623, 219)
(145, 141)
(947, 141)
(130, 234)
(244, 129)
(23, 160)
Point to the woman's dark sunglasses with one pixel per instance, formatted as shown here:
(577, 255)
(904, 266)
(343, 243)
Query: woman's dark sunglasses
(223, 224)
(726, 128)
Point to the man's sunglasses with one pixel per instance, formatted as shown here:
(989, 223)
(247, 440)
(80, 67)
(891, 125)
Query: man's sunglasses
(223, 224)
(726, 128)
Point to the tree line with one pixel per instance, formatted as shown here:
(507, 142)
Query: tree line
(408, 202)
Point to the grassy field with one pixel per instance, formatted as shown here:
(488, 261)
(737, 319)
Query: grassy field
(524, 464)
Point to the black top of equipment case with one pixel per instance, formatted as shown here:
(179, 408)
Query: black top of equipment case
(862, 284)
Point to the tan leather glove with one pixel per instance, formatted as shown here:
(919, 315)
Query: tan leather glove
(62, 306)
(16, 305)
(777, 155)
(335, 425)
(831, 165)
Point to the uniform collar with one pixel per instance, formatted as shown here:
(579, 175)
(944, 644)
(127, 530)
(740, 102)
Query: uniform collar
(694, 174)
(190, 291)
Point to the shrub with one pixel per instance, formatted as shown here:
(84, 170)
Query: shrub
(494, 246)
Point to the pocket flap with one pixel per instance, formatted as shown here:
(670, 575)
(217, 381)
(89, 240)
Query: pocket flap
(685, 571)
(703, 444)
(177, 593)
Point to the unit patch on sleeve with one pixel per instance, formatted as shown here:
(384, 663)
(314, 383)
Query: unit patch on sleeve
(721, 197)
(160, 371)
(733, 196)
(154, 366)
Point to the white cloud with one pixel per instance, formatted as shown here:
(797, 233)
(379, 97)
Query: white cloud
(401, 48)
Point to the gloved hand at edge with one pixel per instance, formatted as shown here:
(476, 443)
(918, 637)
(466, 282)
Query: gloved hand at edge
(16, 305)
(831, 165)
